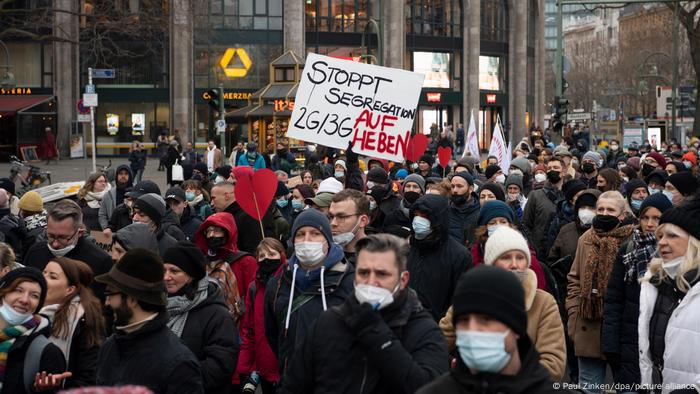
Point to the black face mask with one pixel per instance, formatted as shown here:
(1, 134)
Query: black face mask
(647, 169)
(605, 223)
(458, 199)
(197, 177)
(216, 242)
(411, 197)
(267, 267)
(553, 176)
(588, 168)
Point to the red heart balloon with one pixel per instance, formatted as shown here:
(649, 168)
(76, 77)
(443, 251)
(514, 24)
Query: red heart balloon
(255, 191)
(416, 147)
(444, 155)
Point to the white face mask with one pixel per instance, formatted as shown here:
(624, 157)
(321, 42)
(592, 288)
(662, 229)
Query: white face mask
(671, 267)
(343, 239)
(309, 253)
(12, 317)
(378, 297)
(540, 177)
(501, 179)
(586, 216)
(516, 172)
(61, 252)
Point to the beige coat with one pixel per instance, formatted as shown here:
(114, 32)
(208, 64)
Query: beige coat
(217, 158)
(544, 327)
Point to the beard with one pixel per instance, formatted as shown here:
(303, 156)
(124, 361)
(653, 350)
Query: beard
(122, 315)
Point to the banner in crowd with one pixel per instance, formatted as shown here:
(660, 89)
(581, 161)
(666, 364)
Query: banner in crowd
(340, 101)
(472, 141)
(498, 147)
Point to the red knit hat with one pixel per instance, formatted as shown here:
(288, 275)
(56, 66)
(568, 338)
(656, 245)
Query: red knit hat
(690, 156)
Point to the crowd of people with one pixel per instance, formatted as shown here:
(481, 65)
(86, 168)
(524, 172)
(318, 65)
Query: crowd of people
(362, 275)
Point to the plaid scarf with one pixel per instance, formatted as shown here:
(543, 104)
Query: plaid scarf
(636, 261)
(597, 269)
(7, 339)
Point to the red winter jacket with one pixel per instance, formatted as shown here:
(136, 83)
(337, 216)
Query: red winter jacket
(255, 353)
(478, 258)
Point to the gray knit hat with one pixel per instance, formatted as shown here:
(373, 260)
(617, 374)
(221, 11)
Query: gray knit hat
(152, 205)
(417, 179)
(514, 179)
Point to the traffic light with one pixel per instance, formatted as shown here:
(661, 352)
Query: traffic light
(561, 109)
(215, 100)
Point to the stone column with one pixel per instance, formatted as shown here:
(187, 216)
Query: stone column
(394, 26)
(540, 64)
(65, 80)
(518, 65)
(293, 24)
(471, 34)
(182, 69)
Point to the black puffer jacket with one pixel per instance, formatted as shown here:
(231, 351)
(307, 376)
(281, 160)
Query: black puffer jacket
(83, 359)
(437, 262)
(189, 222)
(334, 358)
(463, 218)
(531, 379)
(151, 356)
(171, 225)
(212, 336)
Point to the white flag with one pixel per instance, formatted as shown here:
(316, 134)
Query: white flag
(472, 141)
(505, 166)
(498, 145)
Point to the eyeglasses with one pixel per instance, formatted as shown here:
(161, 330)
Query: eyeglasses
(60, 238)
(341, 218)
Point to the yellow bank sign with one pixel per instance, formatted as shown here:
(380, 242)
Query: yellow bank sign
(235, 72)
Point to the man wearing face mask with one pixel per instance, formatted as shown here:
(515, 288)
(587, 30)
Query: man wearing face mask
(464, 208)
(316, 277)
(496, 354)
(615, 154)
(565, 210)
(65, 237)
(380, 188)
(542, 206)
(652, 161)
(365, 328)
(493, 173)
(590, 163)
(349, 215)
(412, 188)
(282, 212)
(588, 280)
(150, 209)
(436, 260)
(180, 212)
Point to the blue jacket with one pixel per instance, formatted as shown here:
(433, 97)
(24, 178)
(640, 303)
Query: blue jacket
(259, 161)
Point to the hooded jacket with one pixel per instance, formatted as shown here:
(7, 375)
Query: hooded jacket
(307, 294)
(243, 265)
(249, 239)
(12, 231)
(189, 222)
(136, 235)
(463, 218)
(151, 356)
(113, 197)
(531, 379)
(437, 262)
(171, 225)
(402, 351)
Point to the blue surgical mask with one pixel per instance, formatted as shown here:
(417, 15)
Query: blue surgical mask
(12, 317)
(668, 195)
(483, 351)
(372, 205)
(491, 229)
(190, 196)
(339, 174)
(636, 204)
(421, 227)
(653, 191)
(282, 202)
(297, 205)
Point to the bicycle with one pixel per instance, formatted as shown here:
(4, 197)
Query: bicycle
(29, 175)
(109, 172)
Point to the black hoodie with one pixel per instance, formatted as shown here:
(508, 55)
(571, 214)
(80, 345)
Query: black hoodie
(437, 262)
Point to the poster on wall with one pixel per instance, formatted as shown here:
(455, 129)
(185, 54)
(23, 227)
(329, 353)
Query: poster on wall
(340, 101)
(137, 121)
(76, 146)
(435, 66)
(654, 137)
(632, 135)
(112, 124)
(489, 73)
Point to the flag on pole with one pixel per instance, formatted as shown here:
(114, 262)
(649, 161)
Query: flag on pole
(498, 147)
(472, 141)
(505, 166)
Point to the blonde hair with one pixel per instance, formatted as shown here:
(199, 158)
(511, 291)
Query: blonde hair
(691, 261)
(7, 256)
(616, 196)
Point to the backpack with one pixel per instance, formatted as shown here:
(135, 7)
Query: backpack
(32, 361)
(222, 275)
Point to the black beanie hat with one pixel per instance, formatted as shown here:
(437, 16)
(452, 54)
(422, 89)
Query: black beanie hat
(143, 187)
(224, 171)
(685, 216)
(685, 182)
(466, 176)
(201, 167)
(138, 274)
(427, 158)
(378, 175)
(491, 170)
(632, 185)
(572, 187)
(658, 201)
(313, 218)
(8, 185)
(282, 189)
(680, 167)
(152, 205)
(188, 257)
(31, 274)
(660, 175)
(588, 198)
(494, 188)
(494, 292)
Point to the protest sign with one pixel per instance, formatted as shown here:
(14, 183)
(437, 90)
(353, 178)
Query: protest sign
(340, 101)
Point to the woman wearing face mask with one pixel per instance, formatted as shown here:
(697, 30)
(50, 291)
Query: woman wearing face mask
(492, 215)
(540, 177)
(680, 187)
(299, 195)
(316, 278)
(89, 198)
(608, 179)
(77, 323)
(23, 292)
(651, 162)
(197, 198)
(621, 307)
(669, 325)
(282, 214)
(690, 162)
(491, 191)
(199, 316)
(636, 191)
(508, 250)
(256, 354)
(514, 196)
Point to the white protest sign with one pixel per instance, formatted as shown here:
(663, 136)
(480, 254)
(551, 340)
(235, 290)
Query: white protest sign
(339, 101)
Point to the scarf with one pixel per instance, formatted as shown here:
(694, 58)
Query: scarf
(8, 335)
(36, 221)
(76, 313)
(636, 261)
(180, 306)
(597, 269)
(197, 200)
(93, 198)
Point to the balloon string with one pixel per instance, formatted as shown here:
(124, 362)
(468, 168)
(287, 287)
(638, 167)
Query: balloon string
(257, 210)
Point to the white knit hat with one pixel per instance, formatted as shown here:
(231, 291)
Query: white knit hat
(503, 240)
(330, 185)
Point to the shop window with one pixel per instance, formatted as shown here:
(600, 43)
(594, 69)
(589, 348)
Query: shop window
(490, 73)
(25, 58)
(494, 20)
(241, 14)
(434, 17)
(337, 15)
(285, 74)
(435, 66)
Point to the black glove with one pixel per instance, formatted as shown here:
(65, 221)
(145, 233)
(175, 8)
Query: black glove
(361, 317)
(350, 155)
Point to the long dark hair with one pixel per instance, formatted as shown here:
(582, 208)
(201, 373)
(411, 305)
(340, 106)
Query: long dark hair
(79, 274)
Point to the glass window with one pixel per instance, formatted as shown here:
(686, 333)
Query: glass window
(489, 73)
(245, 7)
(494, 20)
(25, 59)
(337, 15)
(434, 17)
(435, 66)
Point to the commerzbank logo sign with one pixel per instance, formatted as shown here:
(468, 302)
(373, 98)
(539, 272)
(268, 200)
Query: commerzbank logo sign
(228, 60)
